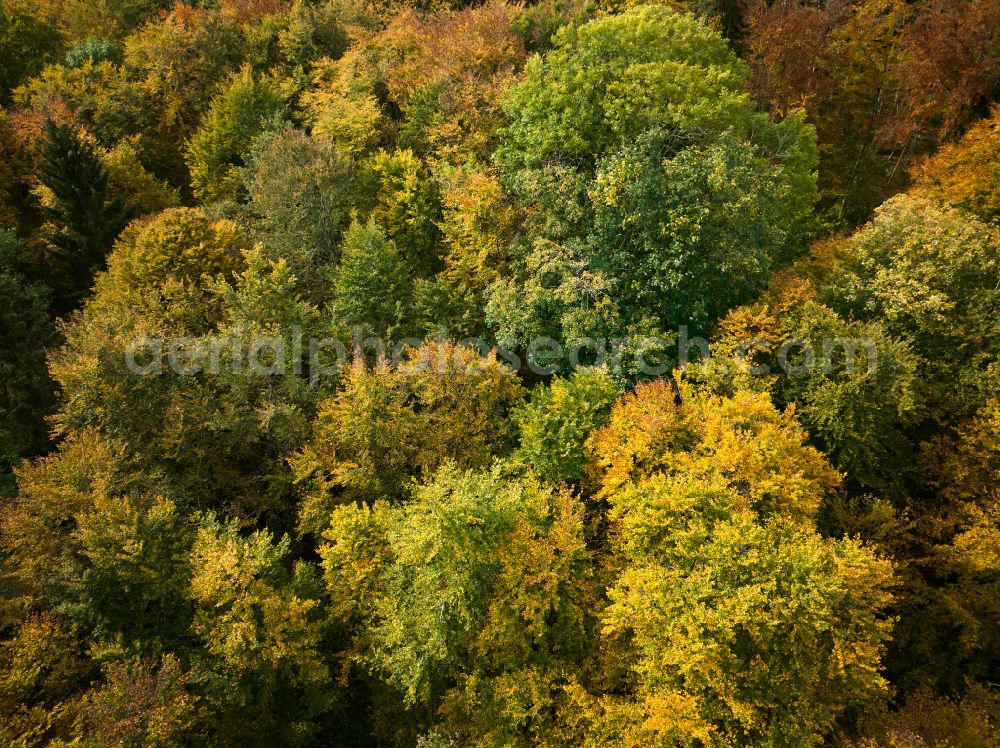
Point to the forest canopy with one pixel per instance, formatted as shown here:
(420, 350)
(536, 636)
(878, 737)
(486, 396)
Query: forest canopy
(561, 373)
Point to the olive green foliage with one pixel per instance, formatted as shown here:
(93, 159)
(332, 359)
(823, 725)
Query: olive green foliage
(239, 113)
(854, 386)
(481, 599)
(556, 423)
(352, 390)
(183, 279)
(372, 285)
(133, 186)
(405, 199)
(27, 42)
(932, 276)
(82, 216)
(384, 427)
(42, 663)
(27, 394)
(116, 566)
(300, 192)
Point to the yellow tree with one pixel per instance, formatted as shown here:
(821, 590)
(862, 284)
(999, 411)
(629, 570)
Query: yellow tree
(384, 426)
(734, 621)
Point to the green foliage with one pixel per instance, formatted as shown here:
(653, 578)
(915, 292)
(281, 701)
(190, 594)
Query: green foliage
(38, 526)
(309, 31)
(919, 283)
(667, 195)
(477, 224)
(225, 322)
(133, 186)
(556, 423)
(41, 665)
(559, 297)
(372, 285)
(854, 387)
(606, 82)
(83, 218)
(127, 580)
(93, 50)
(385, 427)
(481, 600)
(27, 394)
(932, 277)
(179, 61)
(103, 552)
(405, 199)
(216, 151)
(82, 19)
(692, 235)
(27, 42)
(300, 193)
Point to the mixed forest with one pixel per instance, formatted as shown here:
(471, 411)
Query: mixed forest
(779, 526)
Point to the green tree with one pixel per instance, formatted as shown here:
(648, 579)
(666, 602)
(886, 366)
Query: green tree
(691, 236)
(931, 276)
(478, 224)
(300, 192)
(853, 386)
(27, 395)
(949, 555)
(177, 63)
(126, 583)
(607, 81)
(80, 19)
(83, 218)
(555, 425)
(387, 426)
(479, 600)
(636, 148)
(133, 186)
(245, 106)
(90, 539)
(93, 50)
(39, 524)
(405, 200)
(373, 285)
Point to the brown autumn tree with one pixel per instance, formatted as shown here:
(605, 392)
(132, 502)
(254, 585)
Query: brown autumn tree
(884, 82)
